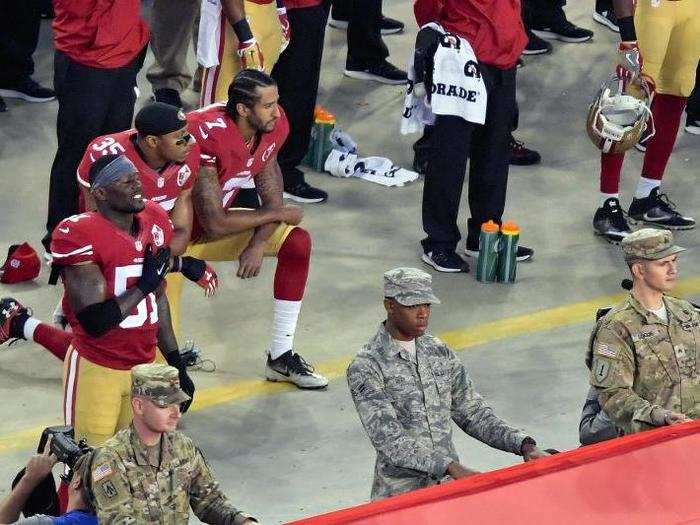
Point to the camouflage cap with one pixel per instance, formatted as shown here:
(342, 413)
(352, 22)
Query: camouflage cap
(409, 286)
(158, 382)
(650, 243)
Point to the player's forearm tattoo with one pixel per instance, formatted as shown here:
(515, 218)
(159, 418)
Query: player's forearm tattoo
(269, 185)
(206, 197)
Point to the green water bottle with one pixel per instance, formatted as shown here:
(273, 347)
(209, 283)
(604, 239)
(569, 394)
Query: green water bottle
(487, 263)
(507, 252)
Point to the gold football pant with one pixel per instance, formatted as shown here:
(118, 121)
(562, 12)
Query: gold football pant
(225, 249)
(669, 42)
(96, 399)
(264, 23)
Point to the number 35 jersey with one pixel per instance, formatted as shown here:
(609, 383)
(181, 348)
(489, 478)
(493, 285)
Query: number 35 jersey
(89, 238)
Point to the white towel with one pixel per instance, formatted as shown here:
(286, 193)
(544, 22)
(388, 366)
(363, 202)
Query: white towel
(379, 170)
(209, 33)
(457, 88)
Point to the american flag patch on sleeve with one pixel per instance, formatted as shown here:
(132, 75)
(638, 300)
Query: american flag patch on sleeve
(100, 472)
(606, 351)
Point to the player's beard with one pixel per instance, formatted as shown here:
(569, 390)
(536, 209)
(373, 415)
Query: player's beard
(260, 126)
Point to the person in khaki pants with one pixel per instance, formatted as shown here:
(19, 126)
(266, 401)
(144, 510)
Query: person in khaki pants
(172, 29)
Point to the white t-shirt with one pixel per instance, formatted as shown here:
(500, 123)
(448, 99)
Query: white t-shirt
(410, 347)
(661, 313)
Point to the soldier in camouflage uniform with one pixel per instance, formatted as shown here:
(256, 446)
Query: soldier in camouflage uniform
(408, 387)
(644, 351)
(149, 473)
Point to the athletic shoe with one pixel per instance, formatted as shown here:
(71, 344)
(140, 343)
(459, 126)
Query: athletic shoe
(520, 155)
(3, 106)
(562, 29)
(384, 72)
(691, 126)
(609, 221)
(389, 26)
(522, 254)
(536, 46)
(292, 368)
(28, 90)
(520, 64)
(304, 192)
(168, 96)
(338, 24)
(11, 309)
(658, 210)
(607, 18)
(445, 261)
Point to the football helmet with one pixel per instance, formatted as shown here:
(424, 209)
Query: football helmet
(619, 114)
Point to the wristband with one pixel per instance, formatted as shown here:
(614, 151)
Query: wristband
(242, 30)
(280, 5)
(627, 32)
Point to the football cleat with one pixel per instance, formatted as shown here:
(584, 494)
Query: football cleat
(292, 368)
(658, 210)
(610, 222)
(620, 114)
(10, 309)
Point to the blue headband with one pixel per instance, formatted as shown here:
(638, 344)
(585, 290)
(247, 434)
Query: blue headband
(112, 172)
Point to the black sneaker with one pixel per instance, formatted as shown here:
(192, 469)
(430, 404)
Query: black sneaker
(28, 90)
(522, 254)
(562, 29)
(168, 96)
(520, 155)
(389, 26)
(536, 46)
(12, 318)
(384, 72)
(3, 106)
(692, 125)
(607, 18)
(658, 210)
(445, 261)
(304, 192)
(610, 223)
(292, 368)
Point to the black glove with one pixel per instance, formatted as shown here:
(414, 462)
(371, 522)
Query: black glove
(190, 267)
(174, 359)
(155, 267)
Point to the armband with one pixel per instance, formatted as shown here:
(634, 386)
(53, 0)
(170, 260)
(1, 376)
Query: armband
(627, 32)
(242, 30)
(99, 318)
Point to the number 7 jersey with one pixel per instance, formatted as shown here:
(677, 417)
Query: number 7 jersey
(89, 238)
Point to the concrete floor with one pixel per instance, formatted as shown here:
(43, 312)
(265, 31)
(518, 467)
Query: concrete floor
(283, 454)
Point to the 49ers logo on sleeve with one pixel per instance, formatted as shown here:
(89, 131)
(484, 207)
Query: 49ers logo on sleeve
(158, 237)
(183, 175)
(266, 154)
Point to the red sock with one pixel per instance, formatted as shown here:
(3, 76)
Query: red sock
(666, 111)
(53, 339)
(293, 266)
(610, 169)
(62, 496)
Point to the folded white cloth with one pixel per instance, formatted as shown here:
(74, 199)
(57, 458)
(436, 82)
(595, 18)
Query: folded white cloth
(342, 141)
(379, 170)
(209, 33)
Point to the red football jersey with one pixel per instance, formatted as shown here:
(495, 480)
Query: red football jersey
(90, 238)
(163, 187)
(222, 147)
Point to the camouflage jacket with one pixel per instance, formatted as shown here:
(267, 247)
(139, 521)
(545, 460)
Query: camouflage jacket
(643, 366)
(407, 411)
(130, 484)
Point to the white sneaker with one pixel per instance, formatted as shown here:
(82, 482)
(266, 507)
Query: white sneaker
(292, 368)
(338, 24)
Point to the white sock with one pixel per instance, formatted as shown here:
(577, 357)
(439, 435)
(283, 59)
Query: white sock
(284, 323)
(644, 187)
(29, 327)
(606, 196)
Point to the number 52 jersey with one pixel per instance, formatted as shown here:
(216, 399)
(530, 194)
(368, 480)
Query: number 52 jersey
(89, 238)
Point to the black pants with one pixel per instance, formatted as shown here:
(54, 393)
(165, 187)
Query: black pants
(297, 73)
(19, 34)
(538, 13)
(455, 140)
(91, 102)
(603, 5)
(365, 44)
(693, 108)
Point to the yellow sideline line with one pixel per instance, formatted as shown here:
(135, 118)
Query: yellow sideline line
(549, 319)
